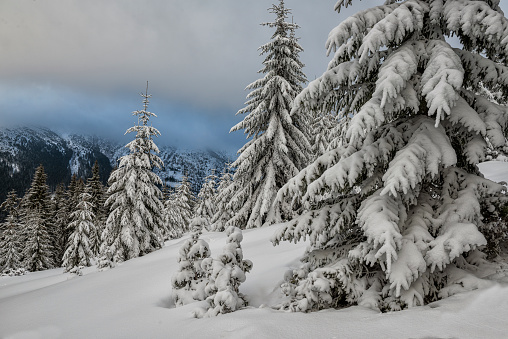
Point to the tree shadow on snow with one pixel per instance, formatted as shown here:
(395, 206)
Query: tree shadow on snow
(166, 302)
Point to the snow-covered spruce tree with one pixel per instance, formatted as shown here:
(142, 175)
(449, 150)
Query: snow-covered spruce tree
(60, 213)
(223, 208)
(394, 216)
(11, 237)
(174, 226)
(206, 204)
(97, 199)
(184, 203)
(278, 148)
(225, 275)
(190, 281)
(10, 247)
(38, 249)
(79, 251)
(133, 227)
(69, 203)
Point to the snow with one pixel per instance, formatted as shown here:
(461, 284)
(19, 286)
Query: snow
(133, 300)
(495, 170)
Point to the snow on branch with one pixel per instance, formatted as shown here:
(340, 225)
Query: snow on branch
(441, 79)
(380, 217)
(478, 67)
(393, 28)
(426, 152)
(355, 27)
(484, 26)
(495, 117)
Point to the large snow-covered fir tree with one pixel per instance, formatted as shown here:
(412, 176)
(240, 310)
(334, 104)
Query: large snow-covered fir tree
(190, 281)
(278, 148)
(395, 215)
(224, 275)
(134, 225)
(79, 251)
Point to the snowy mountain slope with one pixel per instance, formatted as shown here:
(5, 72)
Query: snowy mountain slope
(133, 301)
(197, 164)
(23, 149)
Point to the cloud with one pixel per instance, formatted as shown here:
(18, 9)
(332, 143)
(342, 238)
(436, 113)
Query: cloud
(195, 51)
(78, 64)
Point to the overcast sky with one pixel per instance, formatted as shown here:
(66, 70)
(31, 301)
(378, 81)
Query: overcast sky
(79, 66)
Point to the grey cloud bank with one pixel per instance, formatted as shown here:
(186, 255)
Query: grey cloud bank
(79, 65)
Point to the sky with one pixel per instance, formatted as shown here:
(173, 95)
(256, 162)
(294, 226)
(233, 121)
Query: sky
(78, 66)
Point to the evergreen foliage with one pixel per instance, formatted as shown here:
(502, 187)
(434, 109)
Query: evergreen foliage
(133, 227)
(321, 129)
(38, 250)
(224, 211)
(79, 251)
(60, 212)
(184, 203)
(225, 275)
(10, 237)
(278, 148)
(97, 200)
(174, 226)
(190, 280)
(207, 205)
(395, 213)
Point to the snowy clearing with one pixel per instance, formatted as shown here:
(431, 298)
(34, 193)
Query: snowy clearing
(133, 300)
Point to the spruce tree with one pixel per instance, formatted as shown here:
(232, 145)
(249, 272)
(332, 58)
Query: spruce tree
(79, 250)
(395, 213)
(60, 212)
(184, 203)
(74, 190)
(11, 237)
(224, 211)
(97, 200)
(278, 148)
(190, 280)
(134, 225)
(225, 275)
(38, 249)
(206, 205)
(174, 225)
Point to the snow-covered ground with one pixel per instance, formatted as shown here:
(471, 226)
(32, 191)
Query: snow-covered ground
(133, 301)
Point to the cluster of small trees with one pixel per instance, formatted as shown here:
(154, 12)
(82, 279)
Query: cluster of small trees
(201, 277)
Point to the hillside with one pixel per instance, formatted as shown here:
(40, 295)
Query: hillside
(133, 300)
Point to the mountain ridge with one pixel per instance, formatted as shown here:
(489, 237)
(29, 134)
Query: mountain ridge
(22, 149)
